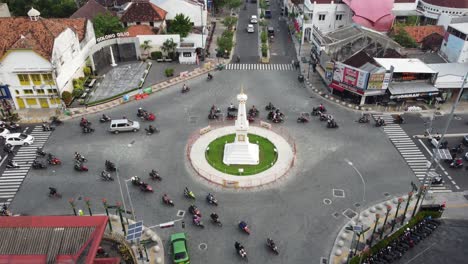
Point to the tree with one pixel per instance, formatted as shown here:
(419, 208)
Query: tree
(105, 24)
(48, 8)
(403, 38)
(234, 3)
(169, 47)
(180, 25)
(146, 46)
(230, 22)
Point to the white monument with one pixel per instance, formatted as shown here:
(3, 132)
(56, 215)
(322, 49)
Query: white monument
(241, 152)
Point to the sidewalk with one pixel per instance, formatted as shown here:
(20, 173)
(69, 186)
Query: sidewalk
(346, 241)
(155, 253)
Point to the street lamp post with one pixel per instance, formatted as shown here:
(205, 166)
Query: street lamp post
(410, 194)
(400, 200)
(130, 199)
(363, 200)
(202, 33)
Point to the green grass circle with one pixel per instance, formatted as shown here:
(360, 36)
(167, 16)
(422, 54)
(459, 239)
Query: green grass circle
(267, 155)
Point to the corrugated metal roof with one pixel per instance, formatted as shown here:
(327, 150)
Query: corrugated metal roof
(405, 65)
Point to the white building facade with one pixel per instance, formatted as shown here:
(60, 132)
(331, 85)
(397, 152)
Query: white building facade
(433, 9)
(455, 44)
(37, 73)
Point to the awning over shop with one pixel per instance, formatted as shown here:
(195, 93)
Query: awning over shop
(336, 87)
(416, 89)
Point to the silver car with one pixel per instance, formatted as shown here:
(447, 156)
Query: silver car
(124, 125)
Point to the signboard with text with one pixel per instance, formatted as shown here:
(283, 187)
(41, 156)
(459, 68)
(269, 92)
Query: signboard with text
(350, 76)
(112, 36)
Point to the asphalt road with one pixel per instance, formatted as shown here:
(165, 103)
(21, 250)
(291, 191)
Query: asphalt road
(292, 211)
(247, 43)
(282, 48)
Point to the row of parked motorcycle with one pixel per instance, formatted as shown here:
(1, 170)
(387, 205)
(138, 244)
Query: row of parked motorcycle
(398, 247)
(215, 219)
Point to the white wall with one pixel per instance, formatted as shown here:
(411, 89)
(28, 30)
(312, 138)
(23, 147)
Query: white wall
(330, 11)
(433, 11)
(69, 58)
(405, 6)
(455, 49)
(174, 7)
(157, 40)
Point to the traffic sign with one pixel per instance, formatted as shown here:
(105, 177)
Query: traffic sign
(134, 231)
(167, 225)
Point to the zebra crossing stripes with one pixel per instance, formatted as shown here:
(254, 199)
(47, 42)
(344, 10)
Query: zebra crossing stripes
(12, 178)
(410, 152)
(260, 67)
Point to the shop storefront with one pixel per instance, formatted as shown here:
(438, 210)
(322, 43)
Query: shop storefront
(413, 92)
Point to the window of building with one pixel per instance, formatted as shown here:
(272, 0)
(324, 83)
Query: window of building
(339, 17)
(152, 23)
(321, 17)
(40, 91)
(187, 54)
(17, 92)
(24, 79)
(138, 23)
(48, 78)
(52, 91)
(28, 91)
(36, 78)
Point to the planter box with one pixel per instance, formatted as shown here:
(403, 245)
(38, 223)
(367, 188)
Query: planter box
(265, 60)
(160, 60)
(168, 60)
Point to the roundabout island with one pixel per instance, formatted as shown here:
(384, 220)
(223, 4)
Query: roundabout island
(240, 156)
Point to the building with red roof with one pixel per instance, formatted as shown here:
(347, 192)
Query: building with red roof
(427, 37)
(143, 12)
(52, 239)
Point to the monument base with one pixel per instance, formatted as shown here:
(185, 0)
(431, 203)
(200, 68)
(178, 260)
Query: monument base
(241, 154)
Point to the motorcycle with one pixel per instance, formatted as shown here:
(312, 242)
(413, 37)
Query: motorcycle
(209, 77)
(241, 250)
(38, 165)
(80, 167)
(80, 158)
(277, 120)
(380, 122)
(106, 176)
(141, 112)
(211, 199)
(13, 127)
(110, 166)
(197, 221)
(150, 131)
(323, 117)
(12, 165)
(318, 109)
(437, 181)
(40, 152)
(189, 194)
(166, 200)
(194, 210)
(302, 119)
(8, 148)
(332, 124)
(457, 163)
(270, 107)
(148, 117)
(104, 119)
(250, 118)
(53, 160)
(47, 127)
(244, 227)
(185, 89)
(398, 120)
(215, 219)
(144, 187)
(232, 108)
(271, 244)
(230, 116)
(254, 112)
(88, 129)
(154, 175)
(364, 119)
(84, 122)
(213, 116)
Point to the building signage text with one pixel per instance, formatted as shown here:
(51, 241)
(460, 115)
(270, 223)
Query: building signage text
(112, 36)
(350, 76)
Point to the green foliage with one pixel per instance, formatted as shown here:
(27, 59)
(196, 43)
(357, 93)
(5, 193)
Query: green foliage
(146, 46)
(264, 37)
(262, 14)
(87, 71)
(403, 38)
(77, 91)
(230, 22)
(412, 21)
(169, 47)
(156, 55)
(263, 23)
(67, 97)
(263, 4)
(180, 25)
(78, 83)
(264, 50)
(48, 8)
(232, 4)
(105, 24)
(169, 72)
(225, 42)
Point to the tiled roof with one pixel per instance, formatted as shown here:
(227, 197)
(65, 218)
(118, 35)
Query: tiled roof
(404, 1)
(448, 3)
(140, 30)
(21, 32)
(418, 33)
(143, 11)
(110, 3)
(90, 10)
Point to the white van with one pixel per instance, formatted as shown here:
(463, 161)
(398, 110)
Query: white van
(123, 125)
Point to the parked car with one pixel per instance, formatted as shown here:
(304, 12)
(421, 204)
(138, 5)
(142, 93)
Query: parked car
(267, 13)
(253, 19)
(267, 2)
(250, 28)
(19, 139)
(179, 249)
(4, 132)
(271, 31)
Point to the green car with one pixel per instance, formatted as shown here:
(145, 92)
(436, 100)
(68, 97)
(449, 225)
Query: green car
(179, 248)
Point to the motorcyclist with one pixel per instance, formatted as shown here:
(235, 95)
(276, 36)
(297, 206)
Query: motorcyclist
(240, 249)
(151, 129)
(143, 185)
(185, 88)
(141, 111)
(242, 225)
(186, 191)
(321, 108)
(84, 120)
(231, 107)
(330, 118)
(53, 191)
(238, 59)
(10, 162)
(105, 117)
(214, 216)
(210, 76)
(78, 156)
(270, 106)
(166, 198)
(196, 219)
(271, 243)
(45, 126)
(210, 197)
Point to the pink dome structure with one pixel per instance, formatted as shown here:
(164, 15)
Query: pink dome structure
(372, 14)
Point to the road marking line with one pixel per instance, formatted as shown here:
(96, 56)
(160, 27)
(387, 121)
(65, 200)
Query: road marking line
(449, 177)
(456, 186)
(424, 145)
